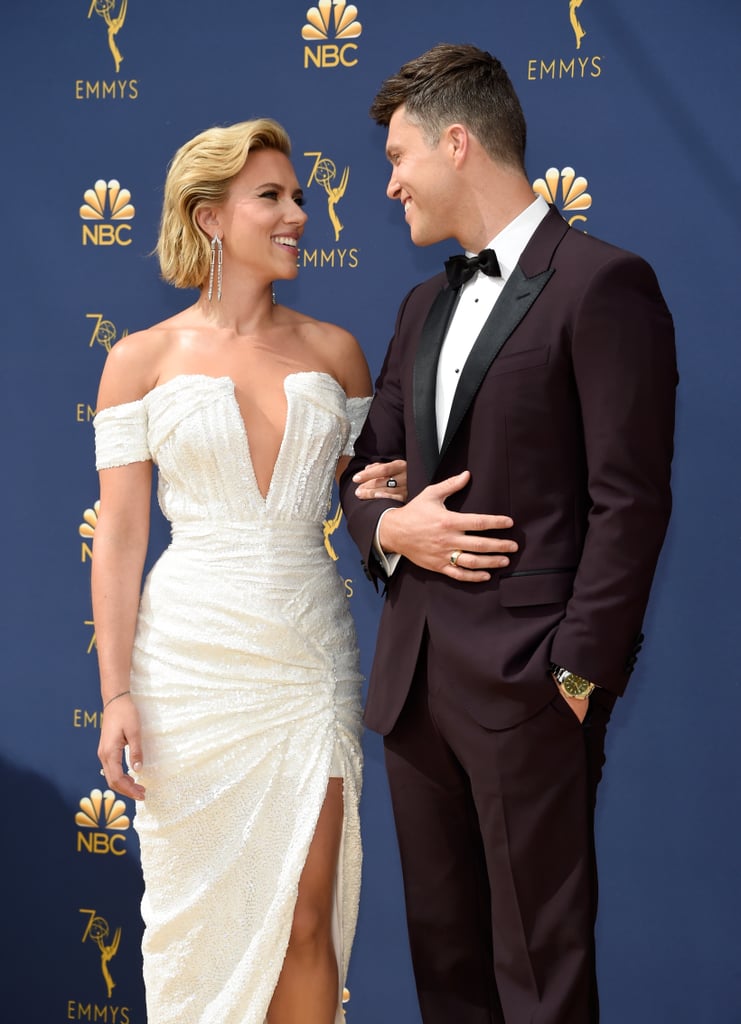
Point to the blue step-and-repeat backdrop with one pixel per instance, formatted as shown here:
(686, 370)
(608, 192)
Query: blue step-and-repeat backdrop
(634, 134)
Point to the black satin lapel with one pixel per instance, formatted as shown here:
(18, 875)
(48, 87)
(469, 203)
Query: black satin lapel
(518, 295)
(425, 375)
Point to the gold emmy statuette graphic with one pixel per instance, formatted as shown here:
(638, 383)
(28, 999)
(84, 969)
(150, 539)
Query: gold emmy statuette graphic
(324, 172)
(319, 18)
(98, 930)
(330, 525)
(574, 195)
(104, 331)
(579, 32)
(572, 65)
(114, 22)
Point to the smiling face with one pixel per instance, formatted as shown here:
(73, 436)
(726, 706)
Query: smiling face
(422, 179)
(261, 221)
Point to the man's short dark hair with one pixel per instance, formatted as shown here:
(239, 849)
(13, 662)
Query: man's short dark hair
(458, 84)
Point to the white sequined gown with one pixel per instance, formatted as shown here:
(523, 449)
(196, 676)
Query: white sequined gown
(245, 673)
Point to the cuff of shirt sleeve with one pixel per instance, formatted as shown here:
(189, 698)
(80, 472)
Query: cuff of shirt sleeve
(389, 562)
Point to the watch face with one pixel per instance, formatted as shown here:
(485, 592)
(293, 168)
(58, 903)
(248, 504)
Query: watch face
(575, 686)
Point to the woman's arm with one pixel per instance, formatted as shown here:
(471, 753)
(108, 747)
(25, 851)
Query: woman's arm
(119, 551)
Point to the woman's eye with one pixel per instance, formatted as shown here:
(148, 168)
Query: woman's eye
(268, 195)
(299, 200)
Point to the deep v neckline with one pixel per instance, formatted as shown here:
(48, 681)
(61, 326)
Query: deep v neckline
(236, 408)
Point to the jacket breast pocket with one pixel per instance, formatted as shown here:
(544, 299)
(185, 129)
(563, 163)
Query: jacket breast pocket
(509, 362)
(547, 586)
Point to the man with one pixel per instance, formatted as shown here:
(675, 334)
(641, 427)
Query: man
(533, 398)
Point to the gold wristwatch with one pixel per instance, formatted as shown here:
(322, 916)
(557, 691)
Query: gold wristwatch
(572, 685)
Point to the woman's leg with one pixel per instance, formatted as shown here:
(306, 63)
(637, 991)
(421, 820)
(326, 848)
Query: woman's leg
(308, 986)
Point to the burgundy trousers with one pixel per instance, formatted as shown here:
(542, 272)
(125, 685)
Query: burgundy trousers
(495, 830)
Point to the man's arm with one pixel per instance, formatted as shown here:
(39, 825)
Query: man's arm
(625, 370)
(423, 530)
(381, 439)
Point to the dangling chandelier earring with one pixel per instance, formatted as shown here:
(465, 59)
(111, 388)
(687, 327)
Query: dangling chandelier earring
(217, 260)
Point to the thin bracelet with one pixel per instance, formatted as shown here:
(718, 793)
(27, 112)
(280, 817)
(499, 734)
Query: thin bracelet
(111, 699)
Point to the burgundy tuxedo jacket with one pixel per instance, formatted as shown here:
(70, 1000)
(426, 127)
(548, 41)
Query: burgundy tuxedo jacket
(564, 414)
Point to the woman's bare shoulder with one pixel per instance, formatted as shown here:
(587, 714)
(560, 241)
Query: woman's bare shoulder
(132, 367)
(342, 352)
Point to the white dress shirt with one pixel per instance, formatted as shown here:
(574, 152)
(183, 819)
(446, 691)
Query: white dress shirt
(476, 300)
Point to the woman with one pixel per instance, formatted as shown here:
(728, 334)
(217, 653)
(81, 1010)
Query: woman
(233, 680)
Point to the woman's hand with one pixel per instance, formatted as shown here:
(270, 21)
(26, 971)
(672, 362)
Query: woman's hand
(121, 728)
(383, 480)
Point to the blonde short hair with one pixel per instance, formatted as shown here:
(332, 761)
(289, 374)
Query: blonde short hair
(200, 174)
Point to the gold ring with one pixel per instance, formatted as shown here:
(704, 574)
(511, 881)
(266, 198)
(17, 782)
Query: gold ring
(455, 555)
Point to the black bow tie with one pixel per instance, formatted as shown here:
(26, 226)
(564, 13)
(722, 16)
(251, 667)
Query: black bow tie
(462, 268)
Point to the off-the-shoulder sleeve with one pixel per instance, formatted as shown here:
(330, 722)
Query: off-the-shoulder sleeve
(357, 410)
(121, 435)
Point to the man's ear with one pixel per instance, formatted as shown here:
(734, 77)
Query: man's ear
(457, 140)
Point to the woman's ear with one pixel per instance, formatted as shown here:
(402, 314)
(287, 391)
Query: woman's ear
(207, 220)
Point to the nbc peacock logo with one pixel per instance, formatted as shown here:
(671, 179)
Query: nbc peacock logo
(102, 821)
(106, 200)
(333, 19)
(565, 190)
(86, 530)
